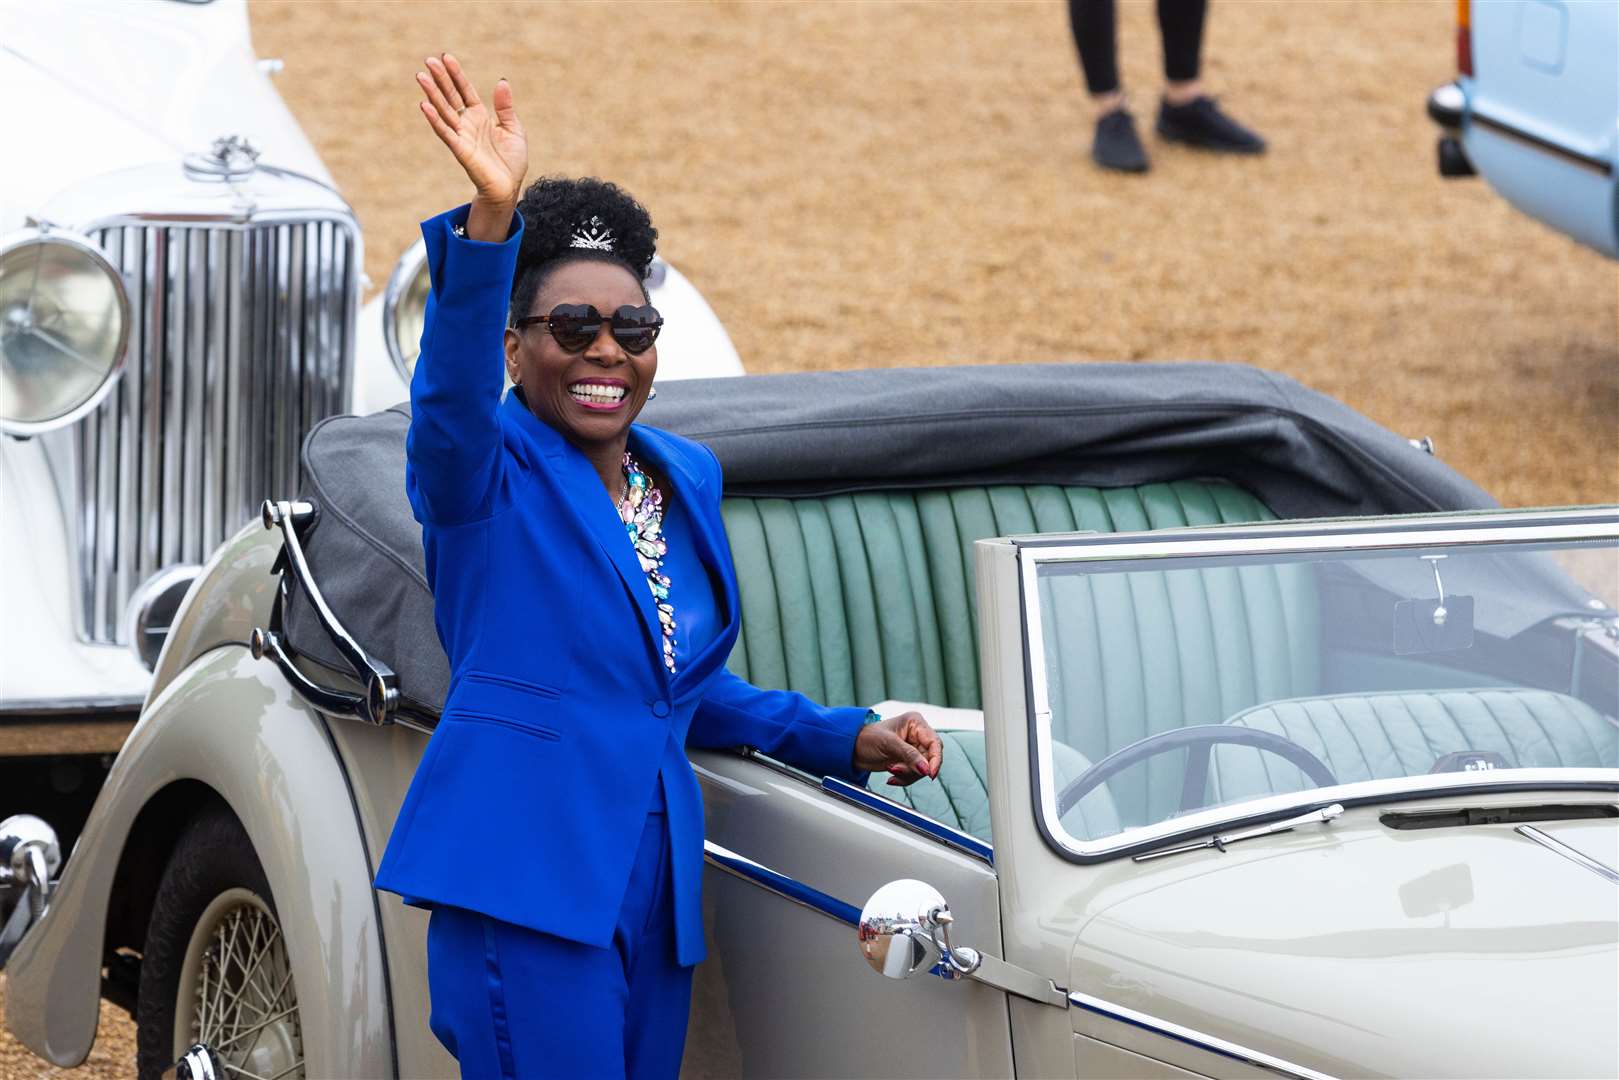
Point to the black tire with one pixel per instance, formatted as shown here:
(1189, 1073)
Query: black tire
(213, 856)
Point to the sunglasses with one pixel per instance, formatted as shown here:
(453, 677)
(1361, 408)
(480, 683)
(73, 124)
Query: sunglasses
(575, 326)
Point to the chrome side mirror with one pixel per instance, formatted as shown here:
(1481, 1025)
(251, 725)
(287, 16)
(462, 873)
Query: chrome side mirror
(905, 928)
(895, 936)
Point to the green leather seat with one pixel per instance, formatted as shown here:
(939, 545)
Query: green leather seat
(1380, 736)
(867, 597)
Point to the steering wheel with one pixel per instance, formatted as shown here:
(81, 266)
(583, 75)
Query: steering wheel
(1200, 739)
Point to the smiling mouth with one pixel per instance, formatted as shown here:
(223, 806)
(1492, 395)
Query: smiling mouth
(598, 395)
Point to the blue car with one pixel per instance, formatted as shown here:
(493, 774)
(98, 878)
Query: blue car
(1535, 110)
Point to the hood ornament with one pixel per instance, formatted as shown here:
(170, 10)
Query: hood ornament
(230, 157)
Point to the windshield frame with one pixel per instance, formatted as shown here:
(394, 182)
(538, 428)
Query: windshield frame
(1335, 536)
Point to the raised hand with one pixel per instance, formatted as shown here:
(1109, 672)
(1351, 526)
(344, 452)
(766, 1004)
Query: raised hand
(488, 142)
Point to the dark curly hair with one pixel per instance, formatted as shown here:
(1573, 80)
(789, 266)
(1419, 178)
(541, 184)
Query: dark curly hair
(553, 207)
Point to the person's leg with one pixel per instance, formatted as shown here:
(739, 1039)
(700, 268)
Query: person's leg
(1180, 24)
(1188, 115)
(510, 1002)
(558, 1005)
(455, 979)
(659, 988)
(1095, 27)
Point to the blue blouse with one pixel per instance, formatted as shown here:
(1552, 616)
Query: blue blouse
(697, 615)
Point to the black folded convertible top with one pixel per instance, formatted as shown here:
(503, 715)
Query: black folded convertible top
(1107, 425)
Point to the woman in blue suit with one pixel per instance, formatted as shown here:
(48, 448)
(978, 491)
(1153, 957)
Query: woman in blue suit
(585, 595)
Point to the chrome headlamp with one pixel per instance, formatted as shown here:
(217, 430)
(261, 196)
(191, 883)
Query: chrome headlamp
(404, 309)
(64, 328)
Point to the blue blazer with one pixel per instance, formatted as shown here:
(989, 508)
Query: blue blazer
(530, 798)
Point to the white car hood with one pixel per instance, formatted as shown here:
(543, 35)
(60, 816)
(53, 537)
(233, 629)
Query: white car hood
(1452, 952)
(121, 84)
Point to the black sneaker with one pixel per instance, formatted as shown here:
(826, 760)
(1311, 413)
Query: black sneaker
(1117, 145)
(1201, 123)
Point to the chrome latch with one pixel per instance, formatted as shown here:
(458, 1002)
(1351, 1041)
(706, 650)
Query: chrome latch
(379, 704)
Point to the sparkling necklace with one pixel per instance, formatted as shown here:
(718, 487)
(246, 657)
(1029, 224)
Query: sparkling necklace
(640, 508)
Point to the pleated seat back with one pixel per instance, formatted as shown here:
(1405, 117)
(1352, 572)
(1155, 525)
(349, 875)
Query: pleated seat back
(859, 598)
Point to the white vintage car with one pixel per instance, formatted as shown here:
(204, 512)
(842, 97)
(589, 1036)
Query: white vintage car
(1222, 795)
(180, 302)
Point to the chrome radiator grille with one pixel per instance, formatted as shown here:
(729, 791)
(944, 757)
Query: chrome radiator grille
(242, 338)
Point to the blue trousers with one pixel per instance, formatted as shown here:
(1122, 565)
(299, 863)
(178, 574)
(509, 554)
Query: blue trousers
(513, 1002)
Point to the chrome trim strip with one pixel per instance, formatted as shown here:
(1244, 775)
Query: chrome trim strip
(68, 706)
(234, 222)
(154, 271)
(1596, 525)
(131, 247)
(1589, 162)
(104, 535)
(910, 818)
(791, 771)
(1574, 855)
(780, 884)
(172, 289)
(1288, 537)
(232, 380)
(1234, 1051)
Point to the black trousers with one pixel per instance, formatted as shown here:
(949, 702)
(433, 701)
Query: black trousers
(1180, 22)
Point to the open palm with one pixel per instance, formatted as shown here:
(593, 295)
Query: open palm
(488, 142)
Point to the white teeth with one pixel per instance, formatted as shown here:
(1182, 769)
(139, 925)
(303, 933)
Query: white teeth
(596, 393)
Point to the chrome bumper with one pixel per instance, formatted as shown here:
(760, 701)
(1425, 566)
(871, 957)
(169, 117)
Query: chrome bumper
(1447, 105)
(29, 858)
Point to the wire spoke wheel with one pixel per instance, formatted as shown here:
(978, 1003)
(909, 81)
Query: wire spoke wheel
(236, 994)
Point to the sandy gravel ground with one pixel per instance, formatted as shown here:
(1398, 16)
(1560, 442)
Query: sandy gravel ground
(867, 184)
(113, 1055)
(863, 184)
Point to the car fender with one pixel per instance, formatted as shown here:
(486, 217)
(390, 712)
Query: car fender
(231, 595)
(234, 725)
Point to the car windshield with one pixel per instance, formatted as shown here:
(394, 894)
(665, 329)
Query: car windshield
(1209, 679)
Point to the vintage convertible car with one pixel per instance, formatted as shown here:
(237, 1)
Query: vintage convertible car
(181, 289)
(1224, 794)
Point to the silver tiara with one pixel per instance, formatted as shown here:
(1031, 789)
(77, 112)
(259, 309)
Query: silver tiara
(592, 236)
